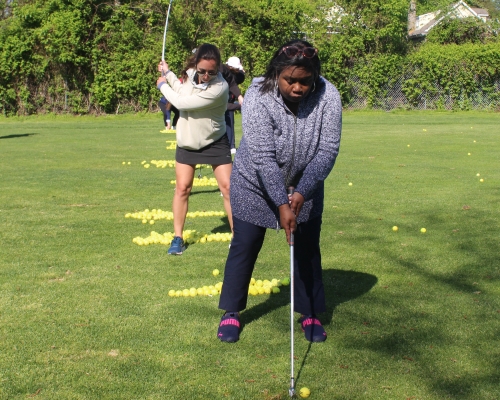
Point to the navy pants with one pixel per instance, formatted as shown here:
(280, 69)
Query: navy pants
(167, 113)
(245, 247)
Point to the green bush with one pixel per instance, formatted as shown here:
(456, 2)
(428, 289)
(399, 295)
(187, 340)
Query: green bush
(88, 56)
(457, 70)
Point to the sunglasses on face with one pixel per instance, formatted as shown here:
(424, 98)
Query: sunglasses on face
(203, 72)
(294, 51)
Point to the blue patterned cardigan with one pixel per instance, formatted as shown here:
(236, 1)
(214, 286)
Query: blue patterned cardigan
(279, 149)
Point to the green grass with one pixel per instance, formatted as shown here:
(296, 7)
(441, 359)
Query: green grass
(84, 312)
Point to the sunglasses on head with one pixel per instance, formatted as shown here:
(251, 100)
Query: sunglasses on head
(203, 72)
(294, 51)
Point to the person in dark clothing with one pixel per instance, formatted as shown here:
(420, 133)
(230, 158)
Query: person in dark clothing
(167, 109)
(292, 122)
(238, 73)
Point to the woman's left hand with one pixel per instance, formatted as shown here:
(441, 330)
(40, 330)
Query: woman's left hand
(161, 79)
(288, 221)
(162, 67)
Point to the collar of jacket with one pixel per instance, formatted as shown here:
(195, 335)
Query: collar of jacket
(202, 86)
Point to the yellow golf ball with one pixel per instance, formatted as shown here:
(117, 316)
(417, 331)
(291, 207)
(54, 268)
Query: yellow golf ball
(395, 228)
(304, 392)
(423, 230)
(215, 272)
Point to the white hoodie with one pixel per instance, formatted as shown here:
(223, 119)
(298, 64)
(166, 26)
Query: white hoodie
(201, 108)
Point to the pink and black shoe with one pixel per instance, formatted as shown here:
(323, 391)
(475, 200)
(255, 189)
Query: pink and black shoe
(229, 328)
(312, 328)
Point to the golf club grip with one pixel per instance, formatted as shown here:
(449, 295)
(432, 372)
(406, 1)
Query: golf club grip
(289, 191)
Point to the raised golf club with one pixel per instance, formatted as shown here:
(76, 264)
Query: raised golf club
(165, 31)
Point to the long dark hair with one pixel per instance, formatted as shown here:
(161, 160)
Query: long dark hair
(281, 61)
(207, 51)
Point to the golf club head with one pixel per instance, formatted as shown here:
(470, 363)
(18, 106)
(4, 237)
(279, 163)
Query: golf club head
(291, 392)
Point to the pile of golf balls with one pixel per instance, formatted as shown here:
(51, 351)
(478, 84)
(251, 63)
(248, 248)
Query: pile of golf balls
(189, 236)
(171, 144)
(201, 182)
(256, 287)
(155, 215)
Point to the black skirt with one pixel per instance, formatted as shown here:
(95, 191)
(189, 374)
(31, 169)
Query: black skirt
(216, 153)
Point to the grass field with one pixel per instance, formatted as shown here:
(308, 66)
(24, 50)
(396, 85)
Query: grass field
(84, 311)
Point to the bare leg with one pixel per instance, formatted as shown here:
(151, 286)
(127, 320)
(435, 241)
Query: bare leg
(184, 175)
(222, 174)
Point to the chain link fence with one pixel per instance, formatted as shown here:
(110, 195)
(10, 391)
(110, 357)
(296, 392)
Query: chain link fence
(395, 94)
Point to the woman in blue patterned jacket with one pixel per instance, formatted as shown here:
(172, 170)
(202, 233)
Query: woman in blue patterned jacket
(292, 120)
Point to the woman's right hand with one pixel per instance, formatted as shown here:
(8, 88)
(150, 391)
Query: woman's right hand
(288, 220)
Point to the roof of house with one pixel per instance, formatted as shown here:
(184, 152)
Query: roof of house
(481, 11)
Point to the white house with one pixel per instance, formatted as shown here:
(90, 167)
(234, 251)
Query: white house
(419, 26)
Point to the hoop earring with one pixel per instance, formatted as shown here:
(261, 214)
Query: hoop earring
(276, 84)
(314, 86)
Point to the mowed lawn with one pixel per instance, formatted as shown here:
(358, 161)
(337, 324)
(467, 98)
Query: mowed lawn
(85, 311)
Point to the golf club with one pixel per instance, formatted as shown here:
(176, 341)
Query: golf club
(165, 32)
(291, 391)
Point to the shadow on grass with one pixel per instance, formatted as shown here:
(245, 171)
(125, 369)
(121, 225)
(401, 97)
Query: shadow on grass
(297, 379)
(456, 260)
(18, 136)
(224, 228)
(340, 287)
(199, 191)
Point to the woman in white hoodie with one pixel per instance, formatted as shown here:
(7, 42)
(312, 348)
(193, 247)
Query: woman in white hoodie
(201, 131)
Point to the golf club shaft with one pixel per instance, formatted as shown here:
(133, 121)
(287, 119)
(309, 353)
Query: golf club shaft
(292, 306)
(165, 32)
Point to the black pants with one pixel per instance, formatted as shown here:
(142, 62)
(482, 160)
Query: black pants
(229, 116)
(245, 247)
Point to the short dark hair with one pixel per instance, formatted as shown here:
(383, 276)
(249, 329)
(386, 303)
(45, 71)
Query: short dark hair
(207, 51)
(281, 61)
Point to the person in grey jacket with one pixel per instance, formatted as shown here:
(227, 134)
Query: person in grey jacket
(292, 121)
